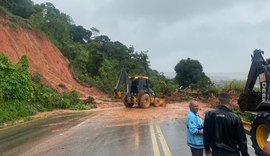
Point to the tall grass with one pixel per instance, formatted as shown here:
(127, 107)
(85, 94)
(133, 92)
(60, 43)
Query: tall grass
(237, 86)
(14, 110)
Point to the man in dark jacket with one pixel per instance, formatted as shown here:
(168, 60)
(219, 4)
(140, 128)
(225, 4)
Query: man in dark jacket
(223, 131)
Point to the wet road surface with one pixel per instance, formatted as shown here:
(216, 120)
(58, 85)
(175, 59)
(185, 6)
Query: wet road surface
(18, 139)
(75, 134)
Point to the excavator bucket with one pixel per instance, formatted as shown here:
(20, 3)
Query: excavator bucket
(249, 101)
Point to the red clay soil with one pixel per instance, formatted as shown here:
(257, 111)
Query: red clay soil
(118, 116)
(44, 57)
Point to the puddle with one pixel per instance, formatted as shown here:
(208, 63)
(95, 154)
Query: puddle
(19, 138)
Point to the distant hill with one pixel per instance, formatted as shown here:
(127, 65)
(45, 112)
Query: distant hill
(218, 77)
(227, 76)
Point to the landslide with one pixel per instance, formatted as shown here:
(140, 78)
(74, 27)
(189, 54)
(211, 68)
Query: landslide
(44, 57)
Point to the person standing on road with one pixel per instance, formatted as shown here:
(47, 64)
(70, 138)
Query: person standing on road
(223, 131)
(194, 130)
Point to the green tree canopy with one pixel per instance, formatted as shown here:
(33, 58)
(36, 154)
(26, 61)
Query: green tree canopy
(23, 8)
(190, 72)
(80, 34)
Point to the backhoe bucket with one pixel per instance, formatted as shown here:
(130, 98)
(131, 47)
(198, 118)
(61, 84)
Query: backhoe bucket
(249, 101)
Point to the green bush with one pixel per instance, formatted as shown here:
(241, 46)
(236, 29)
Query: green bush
(13, 110)
(15, 80)
(211, 90)
(45, 96)
(89, 100)
(246, 116)
(236, 85)
(73, 96)
(49, 99)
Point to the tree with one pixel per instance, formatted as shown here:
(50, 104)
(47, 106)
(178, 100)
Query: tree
(102, 39)
(80, 34)
(189, 72)
(95, 31)
(23, 8)
(95, 59)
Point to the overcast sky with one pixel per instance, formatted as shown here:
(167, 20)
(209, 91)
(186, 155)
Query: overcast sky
(220, 34)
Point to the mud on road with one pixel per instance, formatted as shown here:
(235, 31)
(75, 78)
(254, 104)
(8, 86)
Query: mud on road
(117, 112)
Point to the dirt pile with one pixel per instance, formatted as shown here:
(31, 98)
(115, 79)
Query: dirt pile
(44, 57)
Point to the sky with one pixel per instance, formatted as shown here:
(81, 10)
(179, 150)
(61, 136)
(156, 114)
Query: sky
(220, 34)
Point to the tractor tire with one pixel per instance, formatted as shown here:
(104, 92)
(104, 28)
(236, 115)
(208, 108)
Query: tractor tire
(140, 94)
(259, 132)
(126, 102)
(145, 101)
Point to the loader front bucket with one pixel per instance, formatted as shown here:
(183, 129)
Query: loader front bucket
(159, 102)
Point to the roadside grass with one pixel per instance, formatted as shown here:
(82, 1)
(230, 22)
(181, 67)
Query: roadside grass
(14, 110)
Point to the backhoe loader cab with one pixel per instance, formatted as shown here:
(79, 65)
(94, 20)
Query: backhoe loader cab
(258, 101)
(138, 83)
(137, 91)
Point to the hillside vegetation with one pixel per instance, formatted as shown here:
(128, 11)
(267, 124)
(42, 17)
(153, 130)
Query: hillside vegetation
(67, 61)
(22, 95)
(94, 60)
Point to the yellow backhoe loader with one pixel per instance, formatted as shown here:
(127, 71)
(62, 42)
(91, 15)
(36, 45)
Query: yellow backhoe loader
(258, 102)
(137, 91)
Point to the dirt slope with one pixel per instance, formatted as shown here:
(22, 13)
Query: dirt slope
(44, 57)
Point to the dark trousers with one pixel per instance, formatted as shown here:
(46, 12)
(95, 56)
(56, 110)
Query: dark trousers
(225, 153)
(196, 152)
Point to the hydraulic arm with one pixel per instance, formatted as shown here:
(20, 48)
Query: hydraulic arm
(123, 78)
(251, 100)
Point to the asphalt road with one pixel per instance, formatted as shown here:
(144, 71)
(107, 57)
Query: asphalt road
(86, 136)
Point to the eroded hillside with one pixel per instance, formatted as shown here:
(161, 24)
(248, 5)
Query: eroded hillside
(44, 57)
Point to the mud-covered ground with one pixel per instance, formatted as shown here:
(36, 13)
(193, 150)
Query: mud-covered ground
(170, 111)
(113, 109)
(173, 109)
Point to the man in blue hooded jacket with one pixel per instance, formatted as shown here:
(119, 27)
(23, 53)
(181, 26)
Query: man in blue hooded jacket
(194, 130)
